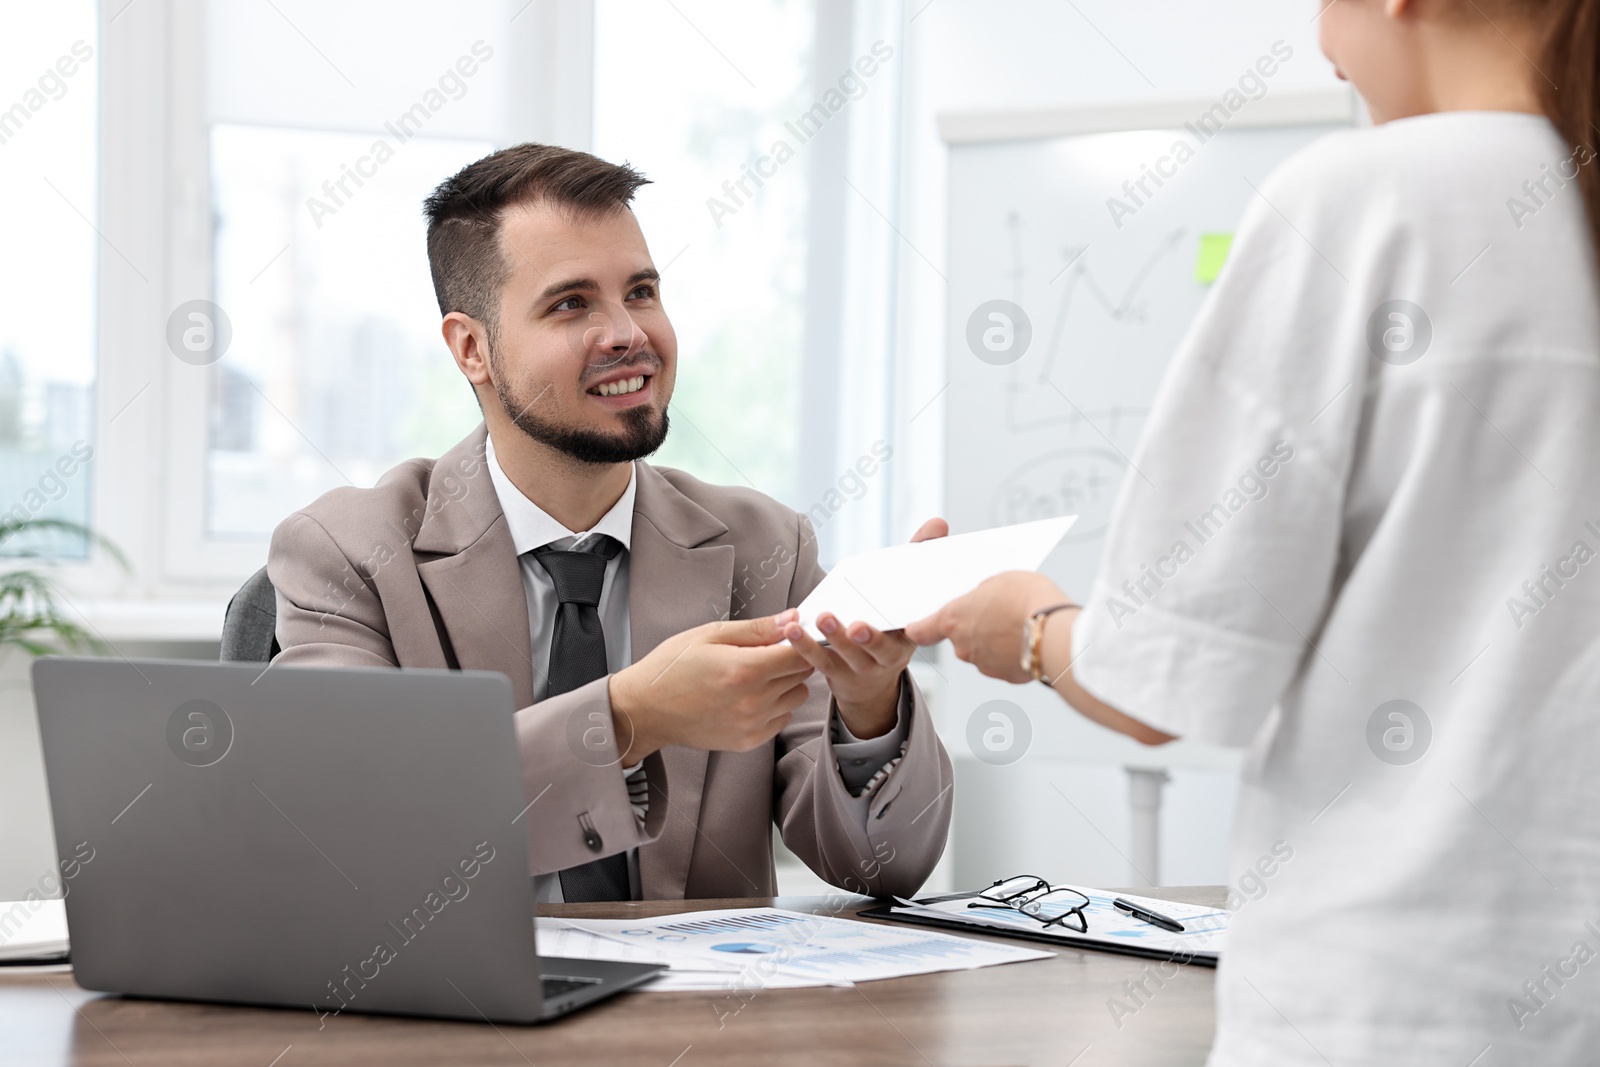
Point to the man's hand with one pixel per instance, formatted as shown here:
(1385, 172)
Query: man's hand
(985, 626)
(862, 664)
(722, 686)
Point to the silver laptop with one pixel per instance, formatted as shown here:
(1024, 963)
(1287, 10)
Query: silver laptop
(342, 839)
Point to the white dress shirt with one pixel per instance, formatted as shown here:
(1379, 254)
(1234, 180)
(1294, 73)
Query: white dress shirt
(531, 527)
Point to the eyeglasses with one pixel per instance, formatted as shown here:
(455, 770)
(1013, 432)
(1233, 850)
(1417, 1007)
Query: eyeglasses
(1033, 897)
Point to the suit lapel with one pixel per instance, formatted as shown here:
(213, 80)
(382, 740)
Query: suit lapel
(676, 582)
(474, 578)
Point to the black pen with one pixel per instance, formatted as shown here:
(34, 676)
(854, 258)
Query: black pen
(1154, 918)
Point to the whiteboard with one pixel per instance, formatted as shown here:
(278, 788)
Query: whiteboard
(1047, 428)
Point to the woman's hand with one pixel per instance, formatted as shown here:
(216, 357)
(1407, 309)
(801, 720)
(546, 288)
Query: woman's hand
(985, 626)
(862, 664)
(985, 629)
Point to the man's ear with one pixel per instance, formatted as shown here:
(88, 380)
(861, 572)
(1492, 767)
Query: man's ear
(469, 345)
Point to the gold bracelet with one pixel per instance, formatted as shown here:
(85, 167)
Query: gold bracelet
(1033, 641)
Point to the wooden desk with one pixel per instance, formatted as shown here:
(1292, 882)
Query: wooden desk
(1051, 1012)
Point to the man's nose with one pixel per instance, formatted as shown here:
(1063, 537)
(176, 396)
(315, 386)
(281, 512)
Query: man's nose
(613, 328)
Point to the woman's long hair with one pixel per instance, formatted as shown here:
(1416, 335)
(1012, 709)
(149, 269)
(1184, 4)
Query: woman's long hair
(1569, 89)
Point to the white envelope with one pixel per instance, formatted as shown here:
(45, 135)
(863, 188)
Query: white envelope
(891, 587)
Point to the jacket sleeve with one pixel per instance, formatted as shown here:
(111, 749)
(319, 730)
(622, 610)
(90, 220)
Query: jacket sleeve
(329, 615)
(572, 777)
(885, 843)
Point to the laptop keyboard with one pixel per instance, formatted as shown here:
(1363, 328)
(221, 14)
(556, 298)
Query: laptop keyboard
(555, 987)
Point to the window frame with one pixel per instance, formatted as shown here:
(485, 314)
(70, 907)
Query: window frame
(559, 41)
(154, 207)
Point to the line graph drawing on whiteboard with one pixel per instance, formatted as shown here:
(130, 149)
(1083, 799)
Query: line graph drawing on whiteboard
(1032, 381)
(1098, 316)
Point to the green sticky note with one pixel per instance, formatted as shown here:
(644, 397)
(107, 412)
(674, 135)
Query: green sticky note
(1213, 254)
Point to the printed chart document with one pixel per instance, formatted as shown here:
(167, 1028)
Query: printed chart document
(557, 937)
(890, 587)
(33, 930)
(1205, 929)
(770, 945)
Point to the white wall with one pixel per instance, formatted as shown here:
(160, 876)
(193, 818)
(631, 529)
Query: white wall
(1050, 816)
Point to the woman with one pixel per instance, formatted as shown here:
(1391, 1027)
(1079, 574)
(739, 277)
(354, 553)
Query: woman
(1366, 547)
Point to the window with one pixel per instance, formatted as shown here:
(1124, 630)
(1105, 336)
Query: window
(733, 260)
(269, 329)
(336, 370)
(319, 160)
(48, 157)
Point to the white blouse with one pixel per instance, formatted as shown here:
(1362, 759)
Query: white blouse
(1368, 549)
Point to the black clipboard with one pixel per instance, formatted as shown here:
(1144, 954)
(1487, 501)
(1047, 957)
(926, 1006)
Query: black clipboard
(886, 911)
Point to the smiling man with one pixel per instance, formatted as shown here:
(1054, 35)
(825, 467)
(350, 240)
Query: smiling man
(667, 719)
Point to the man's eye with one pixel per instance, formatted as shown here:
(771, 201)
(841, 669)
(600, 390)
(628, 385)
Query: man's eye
(571, 303)
(644, 292)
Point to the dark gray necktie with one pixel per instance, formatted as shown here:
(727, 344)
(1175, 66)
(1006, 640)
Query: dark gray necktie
(578, 657)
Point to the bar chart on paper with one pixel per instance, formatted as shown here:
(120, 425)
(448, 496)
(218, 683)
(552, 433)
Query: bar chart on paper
(732, 923)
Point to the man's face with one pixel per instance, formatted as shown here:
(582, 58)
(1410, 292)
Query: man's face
(584, 357)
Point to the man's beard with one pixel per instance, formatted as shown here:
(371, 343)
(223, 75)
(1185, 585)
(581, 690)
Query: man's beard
(642, 436)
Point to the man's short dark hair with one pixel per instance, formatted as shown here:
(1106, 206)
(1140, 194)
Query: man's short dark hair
(465, 211)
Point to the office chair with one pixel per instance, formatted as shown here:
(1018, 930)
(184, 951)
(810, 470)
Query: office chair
(248, 626)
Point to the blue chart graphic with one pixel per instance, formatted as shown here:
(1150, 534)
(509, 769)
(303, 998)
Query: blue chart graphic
(836, 950)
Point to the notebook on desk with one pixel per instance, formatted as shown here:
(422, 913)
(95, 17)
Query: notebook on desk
(1109, 929)
(32, 931)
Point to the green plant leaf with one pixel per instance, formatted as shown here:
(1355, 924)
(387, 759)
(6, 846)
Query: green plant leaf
(14, 527)
(28, 604)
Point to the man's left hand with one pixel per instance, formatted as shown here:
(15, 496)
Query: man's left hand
(862, 664)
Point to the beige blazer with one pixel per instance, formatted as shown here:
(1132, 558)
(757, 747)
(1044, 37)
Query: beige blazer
(419, 571)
